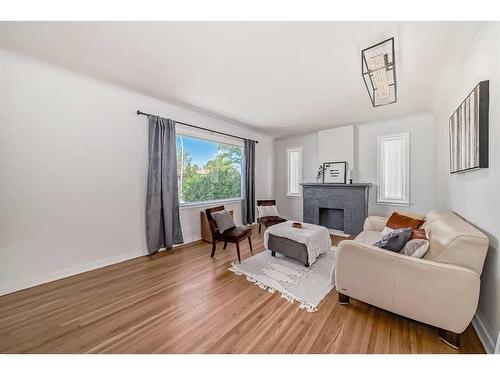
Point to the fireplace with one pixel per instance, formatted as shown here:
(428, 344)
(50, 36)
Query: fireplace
(332, 218)
(336, 206)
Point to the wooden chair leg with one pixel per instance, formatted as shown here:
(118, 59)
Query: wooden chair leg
(450, 338)
(225, 245)
(250, 243)
(213, 249)
(238, 251)
(259, 227)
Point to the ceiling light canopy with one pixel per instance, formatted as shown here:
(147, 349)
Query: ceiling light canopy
(379, 72)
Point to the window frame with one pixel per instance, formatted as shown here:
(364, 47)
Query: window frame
(405, 199)
(185, 131)
(289, 150)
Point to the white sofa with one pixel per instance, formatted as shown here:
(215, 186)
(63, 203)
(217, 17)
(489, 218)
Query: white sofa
(442, 289)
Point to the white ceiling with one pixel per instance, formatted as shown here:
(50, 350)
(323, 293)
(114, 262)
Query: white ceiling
(279, 77)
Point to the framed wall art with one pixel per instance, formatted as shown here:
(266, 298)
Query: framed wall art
(334, 172)
(468, 127)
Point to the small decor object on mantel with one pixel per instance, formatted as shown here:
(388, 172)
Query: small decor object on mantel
(350, 176)
(319, 175)
(297, 225)
(335, 172)
(469, 131)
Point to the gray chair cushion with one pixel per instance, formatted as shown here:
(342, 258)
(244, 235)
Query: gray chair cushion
(395, 240)
(224, 220)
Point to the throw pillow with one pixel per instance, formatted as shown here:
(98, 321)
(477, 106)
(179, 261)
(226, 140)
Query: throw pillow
(411, 214)
(267, 211)
(419, 234)
(224, 220)
(395, 240)
(386, 230)
(416, 234)
(415, 248)
(397, 221)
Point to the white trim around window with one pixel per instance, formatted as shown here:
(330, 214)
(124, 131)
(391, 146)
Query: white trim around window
(184, 206)
(393, 169)
(294, 171)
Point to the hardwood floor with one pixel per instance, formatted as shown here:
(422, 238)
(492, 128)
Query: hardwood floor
(184, 301)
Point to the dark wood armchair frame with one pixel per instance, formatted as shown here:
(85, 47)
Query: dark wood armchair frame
(234, 235)
(268, 221)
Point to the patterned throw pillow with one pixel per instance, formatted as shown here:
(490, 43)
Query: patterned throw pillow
(395, 240)
(224, 220)
(267, 211)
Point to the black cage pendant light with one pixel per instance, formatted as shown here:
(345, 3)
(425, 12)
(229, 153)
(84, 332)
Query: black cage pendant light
(378, 68)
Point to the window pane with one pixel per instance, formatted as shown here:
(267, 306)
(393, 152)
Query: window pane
(294, 164)
(393, 173)
(207, 170)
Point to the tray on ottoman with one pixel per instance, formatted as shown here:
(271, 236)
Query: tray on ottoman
(303, 244)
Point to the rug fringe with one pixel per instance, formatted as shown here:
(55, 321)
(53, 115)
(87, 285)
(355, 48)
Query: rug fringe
(290, 298)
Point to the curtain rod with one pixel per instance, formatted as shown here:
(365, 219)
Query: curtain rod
(198, 127)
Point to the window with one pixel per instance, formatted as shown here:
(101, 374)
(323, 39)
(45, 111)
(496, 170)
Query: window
(294, 171)
(393, 169)
(208, 166)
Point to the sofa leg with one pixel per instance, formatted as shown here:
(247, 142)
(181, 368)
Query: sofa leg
(343, 299)
(450, 338)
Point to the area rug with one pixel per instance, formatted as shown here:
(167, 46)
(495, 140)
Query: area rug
(307, 286)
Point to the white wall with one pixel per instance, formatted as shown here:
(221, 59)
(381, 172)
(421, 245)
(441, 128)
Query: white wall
(364, 151)
(337, 144)
(73, 157)
(422, 160)
(291, 207)
(475, 195)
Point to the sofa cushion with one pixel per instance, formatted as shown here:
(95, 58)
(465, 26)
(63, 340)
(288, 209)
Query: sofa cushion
(368, 237)
(395, 240)
(397, 221)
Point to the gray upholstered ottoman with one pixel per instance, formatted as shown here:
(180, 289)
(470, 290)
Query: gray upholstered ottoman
(303, 244)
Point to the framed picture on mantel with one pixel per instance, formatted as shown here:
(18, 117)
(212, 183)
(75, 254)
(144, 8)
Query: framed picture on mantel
(334, 172)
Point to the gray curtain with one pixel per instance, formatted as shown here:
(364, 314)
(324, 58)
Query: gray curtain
(163, 226)
(248, 209)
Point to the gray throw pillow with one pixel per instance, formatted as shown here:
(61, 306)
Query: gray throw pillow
(224, 220)
(395, 240)
(415, 248)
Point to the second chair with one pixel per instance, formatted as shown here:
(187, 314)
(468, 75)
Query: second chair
(233, 235)
(268, 221)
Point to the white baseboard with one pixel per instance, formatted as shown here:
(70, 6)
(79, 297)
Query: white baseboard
(69, 272)
(484, 336)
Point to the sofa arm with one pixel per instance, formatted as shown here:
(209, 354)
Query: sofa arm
(376, 223)
(442, 295)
